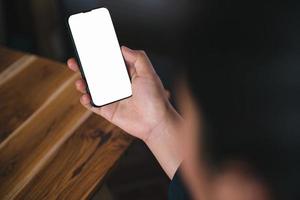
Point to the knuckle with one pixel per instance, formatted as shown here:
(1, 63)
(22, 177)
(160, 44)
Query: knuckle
(141, 53)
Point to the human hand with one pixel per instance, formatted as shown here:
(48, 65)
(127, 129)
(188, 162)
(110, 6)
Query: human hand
(148, 107)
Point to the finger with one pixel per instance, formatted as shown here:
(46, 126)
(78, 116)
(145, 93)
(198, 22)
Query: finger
(131, 71)
(72, 64)
(85, 100)
(168, 94)
(139, 60)
(80, 86)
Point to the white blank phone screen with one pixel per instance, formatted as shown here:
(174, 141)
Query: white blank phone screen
(100, 56)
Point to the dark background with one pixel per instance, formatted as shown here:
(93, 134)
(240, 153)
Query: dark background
(158, 27)
(38, 26)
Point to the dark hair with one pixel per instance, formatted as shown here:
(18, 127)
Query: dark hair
(244, 70)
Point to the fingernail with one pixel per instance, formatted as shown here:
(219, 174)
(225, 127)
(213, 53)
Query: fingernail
(70, 65)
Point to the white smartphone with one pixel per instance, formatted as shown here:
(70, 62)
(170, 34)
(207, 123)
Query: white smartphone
(99, 56)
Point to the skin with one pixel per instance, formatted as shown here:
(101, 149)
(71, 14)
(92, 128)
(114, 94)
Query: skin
(149, 116)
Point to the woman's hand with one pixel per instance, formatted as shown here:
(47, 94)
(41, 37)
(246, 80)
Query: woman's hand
(147, 115)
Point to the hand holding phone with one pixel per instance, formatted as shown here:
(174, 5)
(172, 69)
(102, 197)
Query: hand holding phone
(148, 106)
(147, 115)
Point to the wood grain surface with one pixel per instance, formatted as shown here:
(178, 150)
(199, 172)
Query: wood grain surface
(27, 90)
(50, 146)
(7, 57)
(84, 158)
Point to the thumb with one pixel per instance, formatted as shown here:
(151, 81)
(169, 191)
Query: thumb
(139, 60)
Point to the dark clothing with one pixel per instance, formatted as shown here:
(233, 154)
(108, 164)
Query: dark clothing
(177, 190)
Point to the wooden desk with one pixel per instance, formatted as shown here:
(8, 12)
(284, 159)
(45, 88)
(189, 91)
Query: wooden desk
(50, 146)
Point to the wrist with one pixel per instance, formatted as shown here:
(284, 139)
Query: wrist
(170, 120)
(165, 142)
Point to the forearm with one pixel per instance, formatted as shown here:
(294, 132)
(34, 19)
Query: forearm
(165, 142)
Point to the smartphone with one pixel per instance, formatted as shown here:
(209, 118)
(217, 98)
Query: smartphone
(99, 56)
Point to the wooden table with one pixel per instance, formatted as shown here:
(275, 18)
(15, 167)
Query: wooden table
(50, 146)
